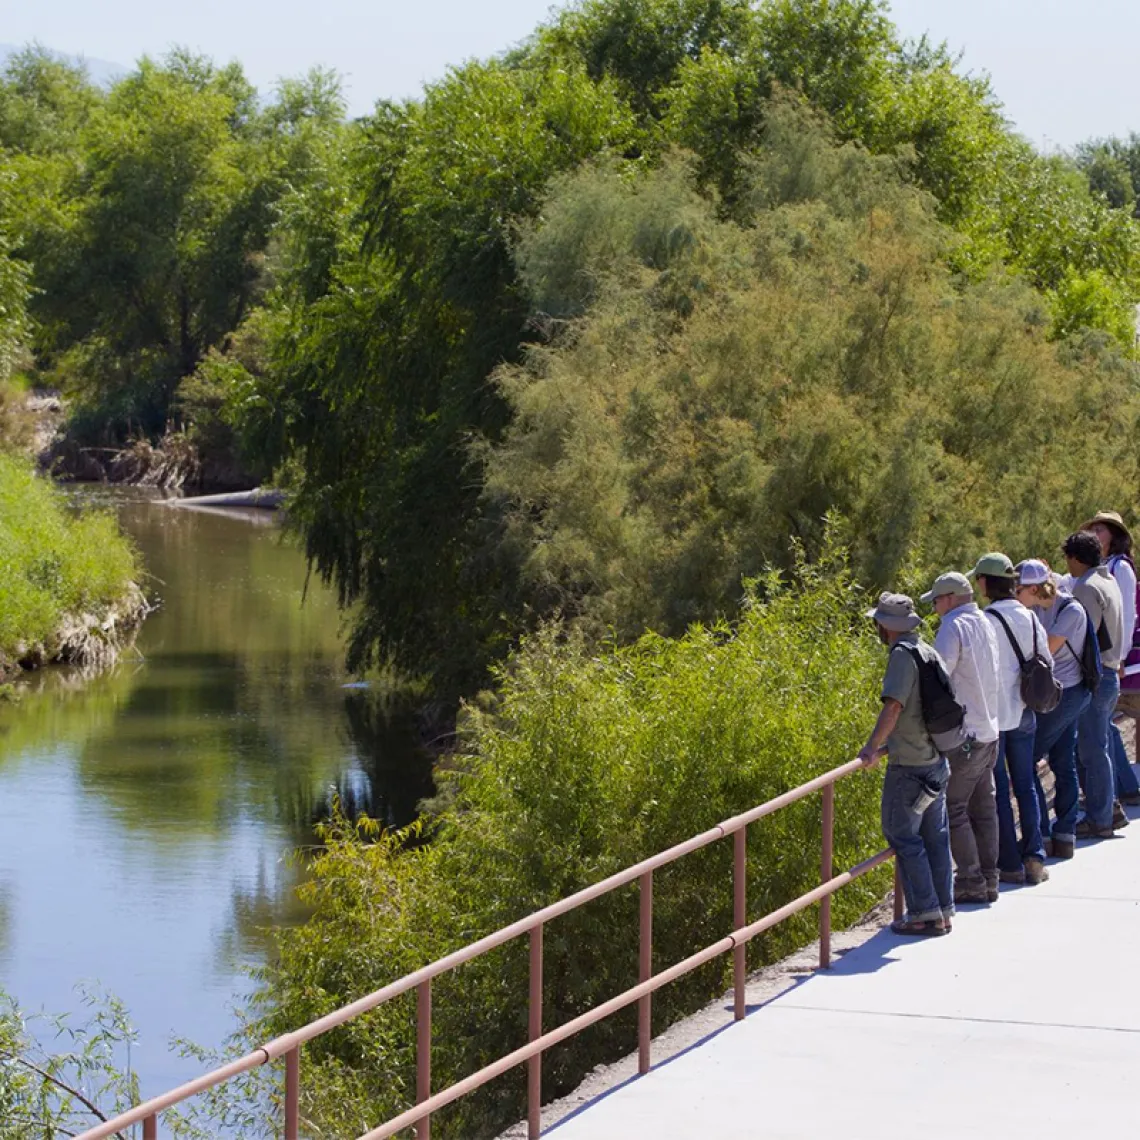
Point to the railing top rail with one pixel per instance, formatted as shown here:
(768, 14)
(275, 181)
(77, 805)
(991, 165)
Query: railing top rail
(279, 1046)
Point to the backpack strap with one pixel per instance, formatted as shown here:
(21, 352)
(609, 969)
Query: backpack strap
(1013, 640)
(1062, 605)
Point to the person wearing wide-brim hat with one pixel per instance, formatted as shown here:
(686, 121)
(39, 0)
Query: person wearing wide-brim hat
(914, 789)
(1115, 541)
(1096, 589)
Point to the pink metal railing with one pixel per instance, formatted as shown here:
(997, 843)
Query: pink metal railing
(289, 1045)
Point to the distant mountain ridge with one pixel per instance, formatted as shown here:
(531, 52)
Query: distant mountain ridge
(101, 71)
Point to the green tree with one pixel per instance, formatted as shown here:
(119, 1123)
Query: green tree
(174, 212)
(642, 45)
(1112, 167)
(838, 53)
(390, 366)
(45, 102)
(147, 215)
(14, 276)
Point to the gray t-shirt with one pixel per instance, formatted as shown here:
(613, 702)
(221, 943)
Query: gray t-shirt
(1066, 618)
(910, 743)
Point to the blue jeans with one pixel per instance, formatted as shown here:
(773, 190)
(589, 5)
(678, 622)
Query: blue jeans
(1056, 738)
(1122, 774)
(1015, 765)
(1093, 749)
(921, 842)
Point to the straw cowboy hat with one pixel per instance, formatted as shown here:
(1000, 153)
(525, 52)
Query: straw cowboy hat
(1109, 518)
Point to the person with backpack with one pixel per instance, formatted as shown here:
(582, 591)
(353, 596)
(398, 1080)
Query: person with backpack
(1116, 550)
(1096, 589)
(914, 788)
(1076, 665)
(1026, 686)
(968, 647)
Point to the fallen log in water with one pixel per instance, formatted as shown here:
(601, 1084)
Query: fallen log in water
(266, 499)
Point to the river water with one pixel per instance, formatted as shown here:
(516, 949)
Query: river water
(148, 816)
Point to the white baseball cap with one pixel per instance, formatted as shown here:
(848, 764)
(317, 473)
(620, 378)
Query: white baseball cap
(1033, 572)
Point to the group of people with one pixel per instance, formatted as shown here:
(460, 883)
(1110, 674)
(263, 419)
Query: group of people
(1042, 672)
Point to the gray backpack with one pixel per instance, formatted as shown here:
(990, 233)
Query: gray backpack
(1040, 690)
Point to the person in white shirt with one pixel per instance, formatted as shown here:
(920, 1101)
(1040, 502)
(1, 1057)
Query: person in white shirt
(1018, 861)
(1116, 550)
(968, 646)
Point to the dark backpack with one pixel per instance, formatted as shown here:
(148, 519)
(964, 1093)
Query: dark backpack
(1089, 660)
(943, 716)
(1040, 690)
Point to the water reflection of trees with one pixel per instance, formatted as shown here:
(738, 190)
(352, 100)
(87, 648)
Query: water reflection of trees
(390, 773)
(233, 715)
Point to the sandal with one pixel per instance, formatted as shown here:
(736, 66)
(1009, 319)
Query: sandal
(929, 928)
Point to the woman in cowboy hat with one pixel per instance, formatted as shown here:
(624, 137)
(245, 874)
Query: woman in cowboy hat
(1116, 549)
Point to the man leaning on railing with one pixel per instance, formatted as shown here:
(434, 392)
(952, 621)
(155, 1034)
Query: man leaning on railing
(914, 790)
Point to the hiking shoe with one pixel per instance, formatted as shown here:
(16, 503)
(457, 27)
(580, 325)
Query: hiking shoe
(992, 895)
(1035, 871)
(1017, 877)
(968, 898)
(1086, 829)
(1119, 818)
(1063, 849)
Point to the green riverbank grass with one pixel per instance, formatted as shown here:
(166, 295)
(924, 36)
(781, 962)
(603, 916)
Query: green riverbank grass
(52, 563)
(584, 763)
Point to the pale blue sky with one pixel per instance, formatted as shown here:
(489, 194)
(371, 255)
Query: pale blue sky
(1065, 69)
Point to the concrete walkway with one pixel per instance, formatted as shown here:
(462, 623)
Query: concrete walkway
(1024, 1021)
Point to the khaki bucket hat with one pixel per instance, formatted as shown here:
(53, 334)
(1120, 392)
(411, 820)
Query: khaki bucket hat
(895, 612)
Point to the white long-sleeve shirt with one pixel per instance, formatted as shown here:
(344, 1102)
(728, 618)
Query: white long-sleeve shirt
(1022, 623)
(1126, 579)
(968, 644)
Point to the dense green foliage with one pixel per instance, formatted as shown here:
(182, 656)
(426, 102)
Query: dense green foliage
(732, 385)
(334, 302)
(145, 213)
(586, 763)
(374, 392)
(52, 564)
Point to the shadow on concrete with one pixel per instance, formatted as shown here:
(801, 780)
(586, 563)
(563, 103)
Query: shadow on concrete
(867, 958)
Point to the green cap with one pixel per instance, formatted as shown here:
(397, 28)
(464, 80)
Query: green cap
(952, 583)
(994, 565)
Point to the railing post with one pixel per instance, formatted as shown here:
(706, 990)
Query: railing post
(827, 870)
(739, 919)
(292, 1093)
(534, 1065)
(900, 898)
(423, 1055)
(645, 972)
(150, 1127)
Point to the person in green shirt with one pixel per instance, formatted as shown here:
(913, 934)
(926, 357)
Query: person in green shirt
(914, 789)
